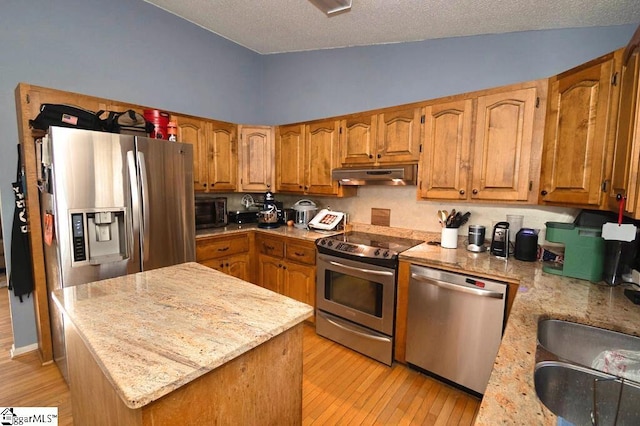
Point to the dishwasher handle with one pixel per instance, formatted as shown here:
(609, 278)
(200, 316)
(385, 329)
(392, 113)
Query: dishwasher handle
(460, 288)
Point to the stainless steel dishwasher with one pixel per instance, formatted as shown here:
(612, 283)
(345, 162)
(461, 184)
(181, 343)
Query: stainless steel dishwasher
(455, 325)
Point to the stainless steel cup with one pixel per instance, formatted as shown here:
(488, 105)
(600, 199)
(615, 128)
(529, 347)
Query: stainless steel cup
(476, 234)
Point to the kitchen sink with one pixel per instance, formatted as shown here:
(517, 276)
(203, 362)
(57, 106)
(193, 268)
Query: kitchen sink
(569, 391)
(579, 343)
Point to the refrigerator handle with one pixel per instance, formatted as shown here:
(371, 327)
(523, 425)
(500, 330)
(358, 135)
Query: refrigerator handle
(135, 199)
(145, 205)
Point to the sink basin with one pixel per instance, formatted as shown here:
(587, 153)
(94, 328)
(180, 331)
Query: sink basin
(568, 391)
(579, 343)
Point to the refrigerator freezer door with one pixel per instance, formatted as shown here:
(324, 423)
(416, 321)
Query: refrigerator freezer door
(90, 177)
(167, 219)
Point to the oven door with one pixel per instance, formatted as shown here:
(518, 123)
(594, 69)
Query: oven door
(358, 292)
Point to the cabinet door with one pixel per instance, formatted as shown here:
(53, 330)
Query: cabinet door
(322, 141)
(299, 282)
(290, 148)
(444, 166)
(238, 266)
(398, 138)
(222, 156)
(256, 159)
(269, 273)
(624, 178)
(192, 131)
(573, 162)
(358, 140)
(503, 146)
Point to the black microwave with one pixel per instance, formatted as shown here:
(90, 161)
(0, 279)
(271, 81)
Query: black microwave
(211, 212)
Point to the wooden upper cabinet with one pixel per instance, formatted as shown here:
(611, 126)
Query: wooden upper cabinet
(505, 164)
(322, 156)
(486, 147)
(578, 136)
(192, 131)
(399, 136)
(215, 154)
(624, 178)
(222, 156)
(290, 148)
(387, 137)
(444, 166)
(358, 139)
(256, 159)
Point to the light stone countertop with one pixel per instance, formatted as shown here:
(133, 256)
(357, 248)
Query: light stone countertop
(152, 332)
(285, 231)
(510, 397)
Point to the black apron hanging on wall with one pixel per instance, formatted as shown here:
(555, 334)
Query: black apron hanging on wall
(21, 275)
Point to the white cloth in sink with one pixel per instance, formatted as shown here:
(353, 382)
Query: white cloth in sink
(619, 362)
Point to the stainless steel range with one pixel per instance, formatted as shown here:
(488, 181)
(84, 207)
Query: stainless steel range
(356, 291)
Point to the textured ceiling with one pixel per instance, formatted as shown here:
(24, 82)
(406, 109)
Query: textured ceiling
(275, 26)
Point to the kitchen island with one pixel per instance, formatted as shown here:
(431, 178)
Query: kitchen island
(182, 345)
(510, 397)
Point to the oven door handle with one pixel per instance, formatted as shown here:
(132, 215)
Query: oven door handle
(366, 271)
(460, 288)
(352, 330)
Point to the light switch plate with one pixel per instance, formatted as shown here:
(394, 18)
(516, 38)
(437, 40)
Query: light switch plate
(380, 217)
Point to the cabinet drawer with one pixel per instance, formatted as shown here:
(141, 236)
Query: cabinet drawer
(270, 246)
(212, 248)
(301, 253)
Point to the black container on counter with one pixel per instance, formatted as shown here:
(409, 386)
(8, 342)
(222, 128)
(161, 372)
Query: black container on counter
(526, 245)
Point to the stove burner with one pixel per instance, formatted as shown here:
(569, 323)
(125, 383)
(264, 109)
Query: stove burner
(365, 247)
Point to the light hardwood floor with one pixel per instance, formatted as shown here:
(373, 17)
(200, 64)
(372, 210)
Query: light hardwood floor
(340, 386)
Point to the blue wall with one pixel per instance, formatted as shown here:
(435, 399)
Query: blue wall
(315, 84)
(134, 52)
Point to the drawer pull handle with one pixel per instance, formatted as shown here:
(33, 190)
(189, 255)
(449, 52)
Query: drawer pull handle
(223, 248)
(269, 247)
(297, 253)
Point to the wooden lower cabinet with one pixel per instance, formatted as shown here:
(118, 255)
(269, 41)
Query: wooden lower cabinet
(230, 254)
(287, 266)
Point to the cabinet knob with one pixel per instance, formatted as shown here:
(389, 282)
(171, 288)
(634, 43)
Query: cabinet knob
(474, 191)
(284, 267)
(543, 192)
(379, 155)
(461, 192)
(204, 184)
(370, 156)
(222, 265)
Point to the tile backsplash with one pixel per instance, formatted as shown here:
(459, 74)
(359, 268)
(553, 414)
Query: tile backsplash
(409, 213)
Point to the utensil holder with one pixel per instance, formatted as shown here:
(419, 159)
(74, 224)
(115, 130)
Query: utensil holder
(449, 238)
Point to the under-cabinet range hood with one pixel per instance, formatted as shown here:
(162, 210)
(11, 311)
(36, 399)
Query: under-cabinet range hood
(391, 175)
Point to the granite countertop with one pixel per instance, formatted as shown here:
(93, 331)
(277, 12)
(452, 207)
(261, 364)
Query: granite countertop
(154, 331)
(510, 397)
(285, 231)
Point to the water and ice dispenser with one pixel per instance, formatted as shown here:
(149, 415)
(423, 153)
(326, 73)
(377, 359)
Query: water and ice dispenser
(98, 236)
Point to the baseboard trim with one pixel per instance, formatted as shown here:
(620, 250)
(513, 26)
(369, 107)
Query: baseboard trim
(23, 350)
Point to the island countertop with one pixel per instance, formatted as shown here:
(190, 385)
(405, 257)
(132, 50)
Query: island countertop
(155, 331)
(510, 397)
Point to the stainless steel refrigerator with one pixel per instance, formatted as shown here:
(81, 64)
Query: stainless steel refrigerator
(114, 205)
